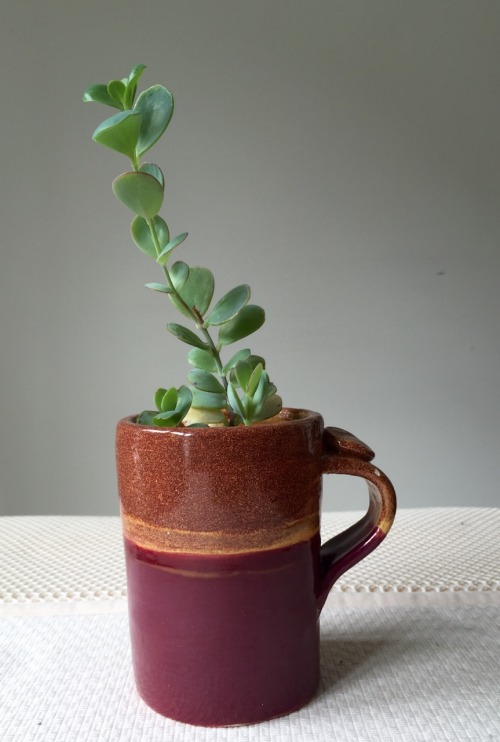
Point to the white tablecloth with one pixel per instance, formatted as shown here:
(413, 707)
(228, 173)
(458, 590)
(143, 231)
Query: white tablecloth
(410, 638)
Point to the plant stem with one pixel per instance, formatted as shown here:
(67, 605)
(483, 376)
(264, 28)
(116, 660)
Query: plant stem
(197, 319)
(156, 241)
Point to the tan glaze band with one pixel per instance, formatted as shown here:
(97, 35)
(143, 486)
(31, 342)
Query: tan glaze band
(212, 542)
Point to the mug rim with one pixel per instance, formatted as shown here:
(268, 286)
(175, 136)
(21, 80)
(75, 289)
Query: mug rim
(288, 416)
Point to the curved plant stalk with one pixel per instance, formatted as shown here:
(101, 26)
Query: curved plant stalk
(239, 391)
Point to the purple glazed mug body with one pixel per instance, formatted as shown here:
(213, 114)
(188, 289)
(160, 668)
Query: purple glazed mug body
(225, 568)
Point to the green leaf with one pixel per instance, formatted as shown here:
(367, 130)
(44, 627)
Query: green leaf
(163, 256)
(187, 336)
(251, 361)
(141, 234)
(135, 73)
(270, 408)
(120, 132)
(168, 400)
(196, 292)
(254, 379)
(166, 419)
(184, 399)
(235, 401)
(205, 381)
(154, 170)
(271, 389)
(241, 355)
(162, 231)
(131, 83)
(163, 288)
(243, 371)
(147, 417)
(229, 306)
(260, 393)
(202, 359)
(179, 273)
(171, 415)
(255, 360)
(117, 90)
(247, 321)
(159, 394)
(99, 94)
(156, 105)
(208, 400)
(140, 192)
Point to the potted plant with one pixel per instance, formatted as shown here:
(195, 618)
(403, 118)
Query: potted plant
(220, 486)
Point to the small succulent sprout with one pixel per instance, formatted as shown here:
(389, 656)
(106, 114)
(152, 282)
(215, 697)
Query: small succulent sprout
(258, 399)
(172, 407)
(251, 360)
(230, 393)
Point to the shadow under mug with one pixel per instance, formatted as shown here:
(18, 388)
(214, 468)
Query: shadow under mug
(226, 572)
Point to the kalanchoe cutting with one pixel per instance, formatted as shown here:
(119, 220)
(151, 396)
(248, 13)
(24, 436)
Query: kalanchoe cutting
(240, 390)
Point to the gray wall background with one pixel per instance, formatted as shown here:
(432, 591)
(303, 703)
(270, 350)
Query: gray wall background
(341, 157)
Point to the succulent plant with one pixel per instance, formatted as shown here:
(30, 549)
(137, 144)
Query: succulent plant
(238, 391)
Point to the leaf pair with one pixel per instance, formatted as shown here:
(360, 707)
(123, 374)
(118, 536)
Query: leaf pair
(132, 131)
(236, 318)
(195, 286)
(152, 236)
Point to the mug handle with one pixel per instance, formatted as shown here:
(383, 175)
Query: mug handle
(343, 453)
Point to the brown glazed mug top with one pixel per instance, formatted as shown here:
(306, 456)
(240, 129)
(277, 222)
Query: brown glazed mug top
(226, 572)
(220, 490)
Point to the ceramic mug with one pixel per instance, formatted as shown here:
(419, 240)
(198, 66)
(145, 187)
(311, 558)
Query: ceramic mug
(226, 572)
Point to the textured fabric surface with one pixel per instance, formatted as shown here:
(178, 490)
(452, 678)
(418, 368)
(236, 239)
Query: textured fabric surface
(410, 638)
(70, 564)
(403, 674)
